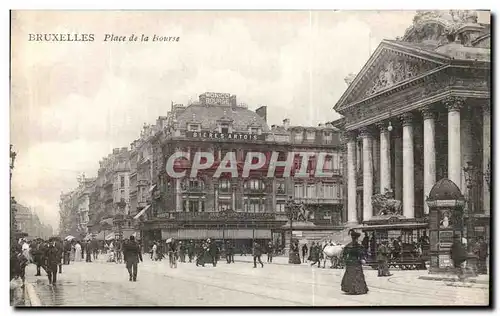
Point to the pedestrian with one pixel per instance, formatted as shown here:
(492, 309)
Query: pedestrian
(270, 252)
(51, 261)
(366, 242)
(67, 251)
(154, 252)
(304, 252)
(78, 252)
(182, 252)
(191, 251)
(172, 253)
(294, 250)
(382, 259)
(38, 255)
(213, 251)
(458, 255)
(132, 255)
(481, 251)
(229, 252)
(353, 281)
(60, 254)
(315, 254)
(373, 247)
(257, 253)
(95, 248)
(88, 251)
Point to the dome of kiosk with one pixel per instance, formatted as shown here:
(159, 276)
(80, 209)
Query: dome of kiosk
(445, 189)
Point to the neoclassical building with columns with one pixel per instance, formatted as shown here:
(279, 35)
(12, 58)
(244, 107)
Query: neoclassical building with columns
(419, 111)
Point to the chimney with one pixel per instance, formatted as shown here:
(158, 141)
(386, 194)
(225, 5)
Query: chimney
(286, 123)
(262, 112)
(124, 149)
(116, 150)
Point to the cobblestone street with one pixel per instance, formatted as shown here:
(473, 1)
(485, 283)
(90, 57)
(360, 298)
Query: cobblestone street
(106, 284)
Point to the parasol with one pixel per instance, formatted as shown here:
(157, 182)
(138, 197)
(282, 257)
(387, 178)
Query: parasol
(169, 240)
(69, 237)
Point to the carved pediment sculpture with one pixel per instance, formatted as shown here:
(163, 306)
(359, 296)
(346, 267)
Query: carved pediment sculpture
(393, 72)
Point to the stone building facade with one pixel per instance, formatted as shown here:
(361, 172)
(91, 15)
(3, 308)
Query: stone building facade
(196, 208)
(419, 111)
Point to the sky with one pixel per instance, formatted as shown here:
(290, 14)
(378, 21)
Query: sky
(73, 102)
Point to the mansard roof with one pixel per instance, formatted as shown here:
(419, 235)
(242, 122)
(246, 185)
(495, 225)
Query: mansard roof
(208, 116)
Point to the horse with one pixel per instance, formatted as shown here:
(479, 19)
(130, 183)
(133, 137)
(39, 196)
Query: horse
(333, 252)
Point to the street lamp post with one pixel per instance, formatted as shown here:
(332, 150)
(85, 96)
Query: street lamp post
(470, 171)
(291, 209)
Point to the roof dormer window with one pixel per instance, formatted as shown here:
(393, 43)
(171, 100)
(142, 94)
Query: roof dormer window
(311, 135)
(194, 127)
(298, 136)
(254, 130)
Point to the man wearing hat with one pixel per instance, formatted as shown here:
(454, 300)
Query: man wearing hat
(132, 255)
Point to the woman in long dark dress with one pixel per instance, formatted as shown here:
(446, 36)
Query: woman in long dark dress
(353, 282)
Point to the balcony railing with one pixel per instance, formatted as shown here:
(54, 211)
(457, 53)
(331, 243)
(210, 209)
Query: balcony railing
(318, 200)
(217, 216)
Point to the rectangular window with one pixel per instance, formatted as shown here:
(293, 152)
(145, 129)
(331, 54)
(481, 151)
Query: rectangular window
(311, 190)
(254, 130)
(280, 207)
(194, 206)
(327, 136)
(298, 136)
(280, 187)
(328, 163)
(328, 190)
(311, 135)
(224, 186)
(122, 194)
(202, 206)
(122, 181)
(224, 205)
(298, 190)
(253, 206)
(185, 206)
(224, 128)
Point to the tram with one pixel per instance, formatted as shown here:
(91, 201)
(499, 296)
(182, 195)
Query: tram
(408, 241)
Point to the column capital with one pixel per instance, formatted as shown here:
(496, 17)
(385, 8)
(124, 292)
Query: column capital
(454, 103)
(428, 113)
(382, 126)
(347, 136)
(406, 119)
(365, 131)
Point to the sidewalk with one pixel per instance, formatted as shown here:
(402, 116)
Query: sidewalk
(280, 260)
(480, 279)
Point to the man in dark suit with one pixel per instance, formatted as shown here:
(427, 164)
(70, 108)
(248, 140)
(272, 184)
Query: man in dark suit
(132, 255)
(257, 253)
(52, 259)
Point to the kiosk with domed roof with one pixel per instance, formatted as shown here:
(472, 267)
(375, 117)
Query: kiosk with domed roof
(446, 204)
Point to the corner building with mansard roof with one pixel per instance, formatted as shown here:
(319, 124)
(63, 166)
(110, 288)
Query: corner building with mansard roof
(238, 209)
(417, 112)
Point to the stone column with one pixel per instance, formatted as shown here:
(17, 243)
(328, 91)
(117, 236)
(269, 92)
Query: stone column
(429, 153)
(398, 168)
(385, 158)
(408, 167)
(486, 156)
(376, 162)
(454, 104)
(367, 174)
(178, 198)
(351, 179)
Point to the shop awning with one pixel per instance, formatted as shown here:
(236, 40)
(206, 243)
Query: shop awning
(216, 234)
(142, 212)
(152, 187)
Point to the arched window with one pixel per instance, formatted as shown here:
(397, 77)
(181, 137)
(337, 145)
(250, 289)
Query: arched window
(193, 184)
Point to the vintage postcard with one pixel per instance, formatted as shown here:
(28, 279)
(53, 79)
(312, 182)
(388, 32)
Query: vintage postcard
(250, 158)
